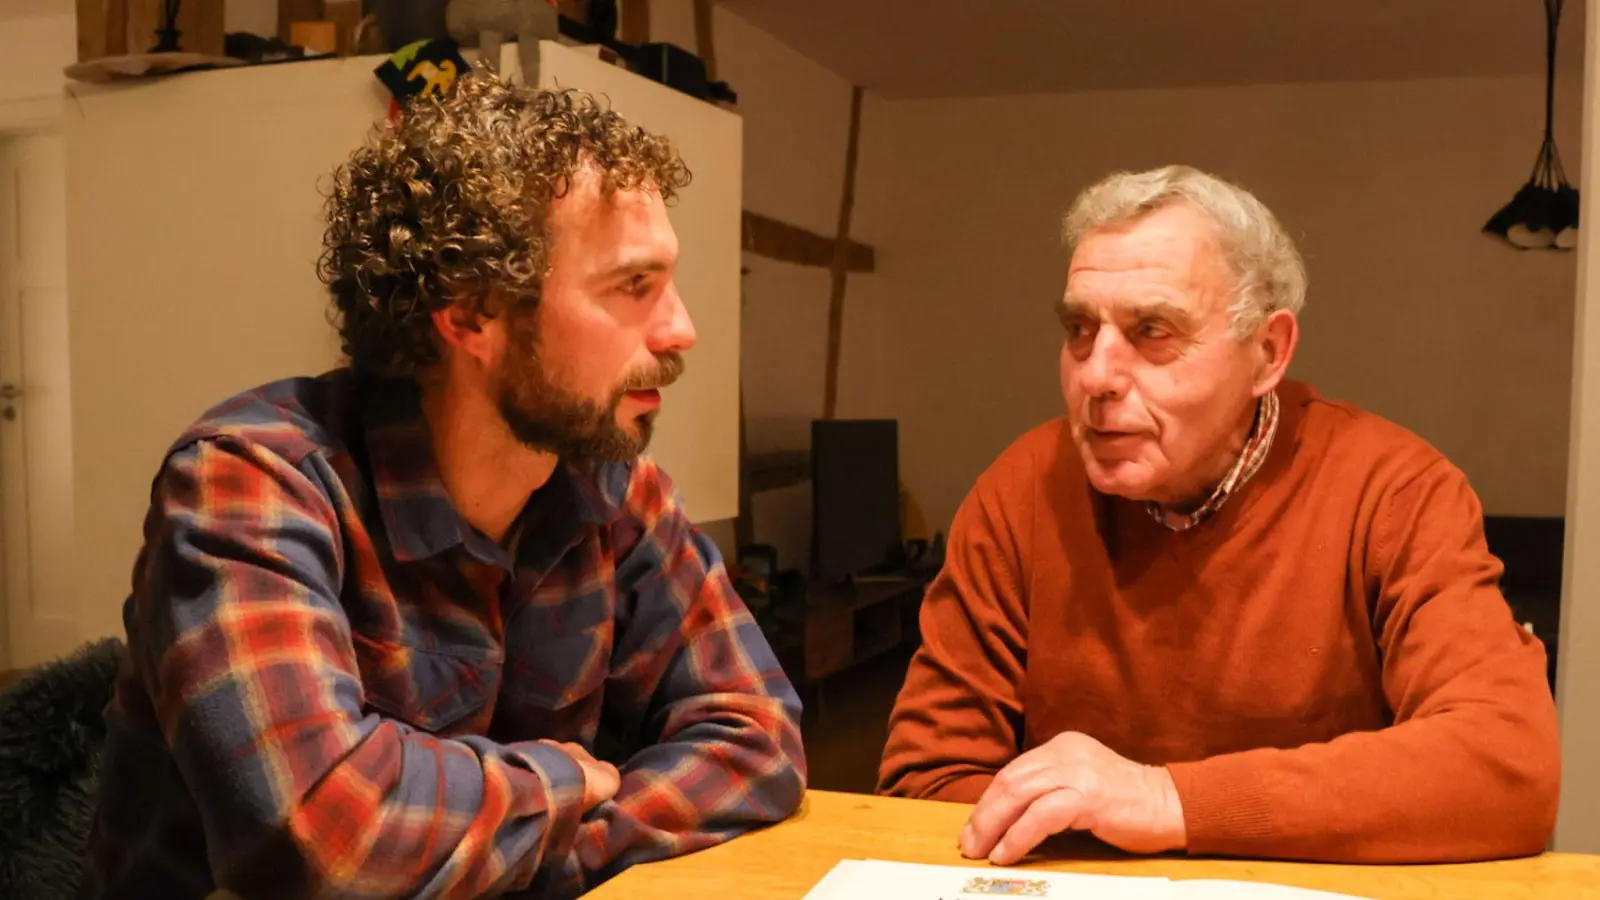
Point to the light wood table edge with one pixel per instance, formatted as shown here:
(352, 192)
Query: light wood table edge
(786, 860)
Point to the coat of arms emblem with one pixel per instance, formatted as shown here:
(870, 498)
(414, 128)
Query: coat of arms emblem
(1007, 887)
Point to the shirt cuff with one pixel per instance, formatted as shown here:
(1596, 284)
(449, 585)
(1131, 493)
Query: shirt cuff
(564, 785)
(1225, 805)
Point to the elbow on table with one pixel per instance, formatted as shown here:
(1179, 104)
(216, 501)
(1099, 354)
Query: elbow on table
(1519, 818)
(786, 790)
(1524, 831)
(1532, 804)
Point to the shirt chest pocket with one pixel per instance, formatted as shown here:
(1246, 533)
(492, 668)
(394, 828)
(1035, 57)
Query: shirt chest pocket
(441, 690)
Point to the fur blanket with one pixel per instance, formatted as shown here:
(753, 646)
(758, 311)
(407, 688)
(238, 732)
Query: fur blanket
(51, 731)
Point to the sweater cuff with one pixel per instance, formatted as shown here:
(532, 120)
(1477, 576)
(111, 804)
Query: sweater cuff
(966, 789)
(1226, 811)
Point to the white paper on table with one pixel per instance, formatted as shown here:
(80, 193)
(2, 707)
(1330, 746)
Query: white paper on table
(855, 879)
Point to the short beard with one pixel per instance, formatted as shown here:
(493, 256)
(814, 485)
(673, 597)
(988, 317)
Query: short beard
(548, 418)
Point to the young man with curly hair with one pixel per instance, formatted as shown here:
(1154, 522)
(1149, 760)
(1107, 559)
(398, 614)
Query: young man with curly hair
(429, 625)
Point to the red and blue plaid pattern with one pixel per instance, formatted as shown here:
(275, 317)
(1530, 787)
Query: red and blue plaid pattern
(336, 687)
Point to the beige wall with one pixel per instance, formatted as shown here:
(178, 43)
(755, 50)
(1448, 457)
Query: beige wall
(1412, 312)
(33, 51)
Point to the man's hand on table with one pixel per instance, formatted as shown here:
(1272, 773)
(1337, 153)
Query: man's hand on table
(1074, 782)
(600, 779)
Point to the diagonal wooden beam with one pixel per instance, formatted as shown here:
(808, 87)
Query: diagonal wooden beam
(774, 239)
(841, 258)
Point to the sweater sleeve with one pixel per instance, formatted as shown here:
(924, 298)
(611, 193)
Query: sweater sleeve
(1470, 767)
(958, 719)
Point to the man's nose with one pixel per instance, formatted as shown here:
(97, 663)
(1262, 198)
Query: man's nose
(1104, 372)
(673, 331)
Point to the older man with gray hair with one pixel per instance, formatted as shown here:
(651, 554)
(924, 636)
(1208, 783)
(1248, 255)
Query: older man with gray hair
(1210, 610)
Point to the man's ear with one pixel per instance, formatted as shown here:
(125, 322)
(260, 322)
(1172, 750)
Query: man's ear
(462, 330)
(1277, 339)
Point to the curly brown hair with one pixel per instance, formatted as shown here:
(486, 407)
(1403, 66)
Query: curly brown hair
(450, 205)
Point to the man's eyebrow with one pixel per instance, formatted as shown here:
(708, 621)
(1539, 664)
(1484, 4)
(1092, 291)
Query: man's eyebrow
(1152, 308)
(1073, 306)
(1161, 309)
(634, 266)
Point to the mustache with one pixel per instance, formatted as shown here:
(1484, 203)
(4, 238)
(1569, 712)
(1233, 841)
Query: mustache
(668, 368)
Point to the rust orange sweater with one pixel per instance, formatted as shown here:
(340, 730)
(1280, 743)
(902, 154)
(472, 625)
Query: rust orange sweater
(1327, 666)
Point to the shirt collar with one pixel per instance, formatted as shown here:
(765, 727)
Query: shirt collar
(1262, 431)
(417, 513)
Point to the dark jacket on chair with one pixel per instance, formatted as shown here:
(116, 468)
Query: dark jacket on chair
(51, 730)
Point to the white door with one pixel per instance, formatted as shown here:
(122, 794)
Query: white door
(35, 409)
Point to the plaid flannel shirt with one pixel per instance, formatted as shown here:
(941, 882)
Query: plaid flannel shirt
(337, 687)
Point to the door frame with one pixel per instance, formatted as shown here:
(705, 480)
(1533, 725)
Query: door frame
(22, 117)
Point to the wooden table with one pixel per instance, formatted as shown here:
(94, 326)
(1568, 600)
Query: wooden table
(785, 861)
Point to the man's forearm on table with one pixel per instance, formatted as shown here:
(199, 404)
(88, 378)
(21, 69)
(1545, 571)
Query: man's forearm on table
(1416, 792)
(704, 786)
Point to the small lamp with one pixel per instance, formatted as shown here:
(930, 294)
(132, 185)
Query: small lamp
(1544, 212)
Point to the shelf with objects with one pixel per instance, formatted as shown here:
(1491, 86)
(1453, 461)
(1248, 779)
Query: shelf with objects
(121, 40)
(860, 594)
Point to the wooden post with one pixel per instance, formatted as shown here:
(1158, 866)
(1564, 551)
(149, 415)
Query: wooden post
(635, 25)
(744, 527)
(705, 41)
(841, 258)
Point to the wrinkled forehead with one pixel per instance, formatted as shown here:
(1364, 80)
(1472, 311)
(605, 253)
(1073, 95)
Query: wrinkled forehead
(1170, 258)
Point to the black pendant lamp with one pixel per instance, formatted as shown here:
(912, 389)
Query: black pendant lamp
(1544, 213)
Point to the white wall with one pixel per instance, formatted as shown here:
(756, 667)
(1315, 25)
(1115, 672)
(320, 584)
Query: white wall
(1412, 312)
(175, 306)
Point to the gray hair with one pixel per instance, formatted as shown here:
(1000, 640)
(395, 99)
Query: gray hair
(1269, 271)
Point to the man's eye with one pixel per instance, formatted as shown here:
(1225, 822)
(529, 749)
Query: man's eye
(637, 286)
(1153, 331)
